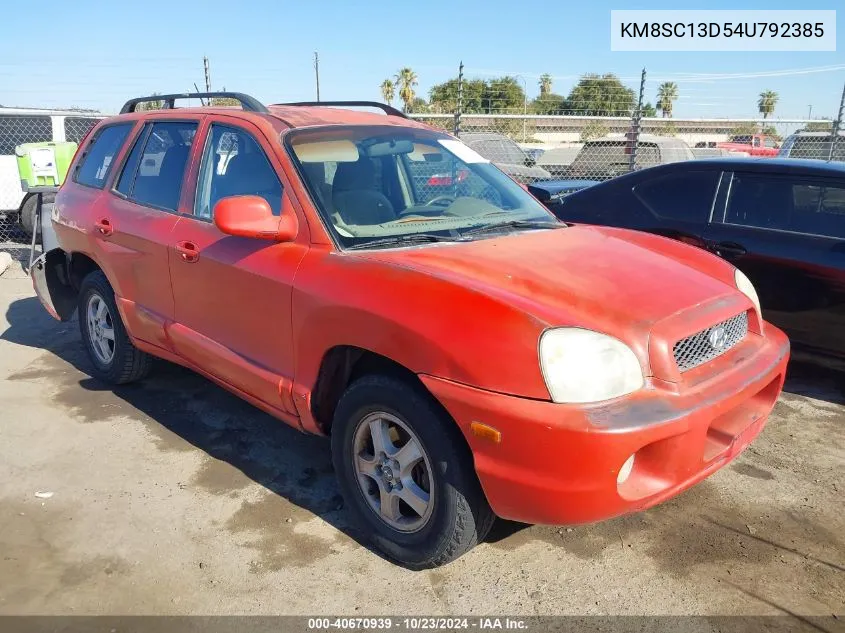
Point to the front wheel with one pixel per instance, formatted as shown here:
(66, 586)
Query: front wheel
(115, 359)
(406, 473)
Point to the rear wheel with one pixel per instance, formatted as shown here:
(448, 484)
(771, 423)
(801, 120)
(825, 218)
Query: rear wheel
(406, 474)
(115, 359)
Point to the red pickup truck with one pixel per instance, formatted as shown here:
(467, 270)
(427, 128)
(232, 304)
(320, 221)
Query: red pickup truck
(753, 144)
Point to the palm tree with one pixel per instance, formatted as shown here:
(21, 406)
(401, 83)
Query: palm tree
(545, 84)
(667, 92)
(406, 79)
(388, 91)
(767, 102)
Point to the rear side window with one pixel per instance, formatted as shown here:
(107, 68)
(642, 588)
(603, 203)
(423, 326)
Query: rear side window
(76, 127)
(16, 130)
(95, 164)
(685, 196)
(814, 207)
(155, 168)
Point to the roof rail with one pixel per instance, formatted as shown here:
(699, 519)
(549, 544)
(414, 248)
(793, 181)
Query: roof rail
(248, 103)
(389, 110)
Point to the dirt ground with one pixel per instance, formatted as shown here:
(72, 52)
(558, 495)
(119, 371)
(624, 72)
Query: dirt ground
(174, 497)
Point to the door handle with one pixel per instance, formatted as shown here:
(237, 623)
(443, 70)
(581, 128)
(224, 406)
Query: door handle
(188, 251)
(104, 226)
(730, 250)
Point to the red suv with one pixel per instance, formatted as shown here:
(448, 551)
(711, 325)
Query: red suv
(469, 355)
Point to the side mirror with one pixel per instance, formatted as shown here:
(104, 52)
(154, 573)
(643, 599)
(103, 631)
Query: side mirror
(251, 216)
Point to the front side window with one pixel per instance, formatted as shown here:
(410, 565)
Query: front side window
(96, 163)
(771, 202)
(153, 176)
(234, 164)
(377, 182)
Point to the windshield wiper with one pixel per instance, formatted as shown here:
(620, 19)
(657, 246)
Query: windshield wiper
(410, 238)
(514, 224)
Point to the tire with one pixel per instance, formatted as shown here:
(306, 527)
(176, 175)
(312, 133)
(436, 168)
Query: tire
(457, 515)
(28, 209)
(126, 363)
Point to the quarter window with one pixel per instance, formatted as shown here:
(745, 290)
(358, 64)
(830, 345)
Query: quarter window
(687, 196)
(234, 164)
(772, 202)
(96, 162)
(154, 176)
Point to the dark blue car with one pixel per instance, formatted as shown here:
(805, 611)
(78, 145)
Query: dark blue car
(781, 221)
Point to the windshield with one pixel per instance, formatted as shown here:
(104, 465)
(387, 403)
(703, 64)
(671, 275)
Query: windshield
(376, 182)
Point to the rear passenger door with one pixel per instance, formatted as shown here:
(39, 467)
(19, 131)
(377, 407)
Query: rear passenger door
(787, 233)
(137, 221)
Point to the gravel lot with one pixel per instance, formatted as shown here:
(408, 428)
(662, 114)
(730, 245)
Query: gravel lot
(174, 497)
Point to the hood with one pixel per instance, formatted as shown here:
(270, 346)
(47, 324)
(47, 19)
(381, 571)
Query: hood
(610, 280)
(553, 190)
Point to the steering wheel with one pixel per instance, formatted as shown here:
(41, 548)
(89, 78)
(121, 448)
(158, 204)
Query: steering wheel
(439, 199)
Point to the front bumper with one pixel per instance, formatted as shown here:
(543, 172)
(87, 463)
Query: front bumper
(558, 464)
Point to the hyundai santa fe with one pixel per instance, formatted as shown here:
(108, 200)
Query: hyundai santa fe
(469, 355)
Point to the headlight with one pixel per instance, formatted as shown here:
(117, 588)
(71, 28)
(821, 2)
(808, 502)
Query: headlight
(744, 285)
(584, 366)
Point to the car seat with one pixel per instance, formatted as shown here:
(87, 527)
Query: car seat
(250, 174)
(355, 196)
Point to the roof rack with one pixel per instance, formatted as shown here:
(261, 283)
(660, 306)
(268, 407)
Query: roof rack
(389, 110)
(248, 103)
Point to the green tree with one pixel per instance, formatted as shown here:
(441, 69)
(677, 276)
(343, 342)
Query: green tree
(444, 97)
(545, 84)
(549, 103)
(406, 80)
(667, 93)
(601, 95)
(767, 102)
(649, 110)
(224, 101)
(504, 95)
(388, 91)
(158, 104)
(418, 105)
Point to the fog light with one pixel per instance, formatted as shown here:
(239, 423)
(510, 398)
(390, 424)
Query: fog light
(625, 471)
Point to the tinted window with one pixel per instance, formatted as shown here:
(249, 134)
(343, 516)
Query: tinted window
(161, 169)
(770, 202)
(687, 196)
(76, 127)
(98, 158)
(17, 129)
(233, 164)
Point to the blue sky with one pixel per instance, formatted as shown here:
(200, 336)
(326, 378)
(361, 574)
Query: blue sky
(105, 53)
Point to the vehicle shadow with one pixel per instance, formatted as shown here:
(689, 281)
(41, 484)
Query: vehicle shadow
(812, 379)
(181, 410)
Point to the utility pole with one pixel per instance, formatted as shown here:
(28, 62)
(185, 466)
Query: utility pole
(317, 73)
(634, 135)
(810, 113)
(837, 125)
(460, 107)
(207, 74)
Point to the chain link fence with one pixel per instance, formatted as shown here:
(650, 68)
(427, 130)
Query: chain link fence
(538, 147)
(605, 127)
(18, 207)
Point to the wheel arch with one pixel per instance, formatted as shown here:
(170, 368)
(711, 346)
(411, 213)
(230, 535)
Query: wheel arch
(342, 365)
(57, 276)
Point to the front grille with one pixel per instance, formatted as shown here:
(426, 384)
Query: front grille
(695, 350)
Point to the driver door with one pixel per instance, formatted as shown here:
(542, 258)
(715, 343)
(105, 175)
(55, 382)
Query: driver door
(233, 294)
